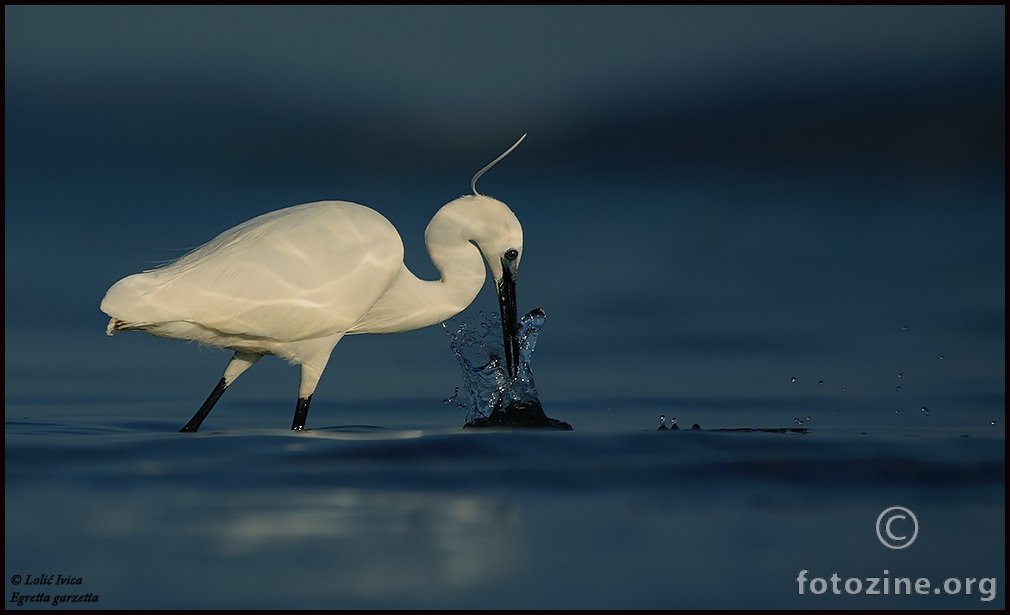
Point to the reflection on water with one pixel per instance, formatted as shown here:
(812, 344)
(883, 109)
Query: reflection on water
(477, 344)
(362, 543)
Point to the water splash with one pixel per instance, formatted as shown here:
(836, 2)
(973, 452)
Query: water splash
(476, 342)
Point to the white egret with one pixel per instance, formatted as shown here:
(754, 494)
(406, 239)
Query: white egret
(293, 282)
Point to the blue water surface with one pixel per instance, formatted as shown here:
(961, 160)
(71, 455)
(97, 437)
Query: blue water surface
(359, 515)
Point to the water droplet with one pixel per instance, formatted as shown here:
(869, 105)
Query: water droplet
(898, 411)
(941, 357)
(808, 418)
(990, 422)
(794, 378)
(673, 421)
(843, 389)
(900, 375)
(662, 419)
(820, 383)
(897, 388)
(454, 399)
(904, 327)
(798, 421)
(925, 410)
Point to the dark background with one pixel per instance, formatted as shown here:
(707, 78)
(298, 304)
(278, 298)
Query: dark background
(714, 200)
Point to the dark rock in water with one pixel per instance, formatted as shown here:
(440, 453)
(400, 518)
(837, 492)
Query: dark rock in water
(662, 428)
(696, 427)
(674, 427)
(520, 414)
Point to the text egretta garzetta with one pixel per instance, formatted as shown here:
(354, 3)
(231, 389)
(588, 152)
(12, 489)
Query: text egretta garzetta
(293, 282)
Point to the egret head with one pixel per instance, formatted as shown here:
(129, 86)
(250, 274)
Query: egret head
(497, 232)
(502, 236)
(492, 226)
(502, 246)
(501, 242)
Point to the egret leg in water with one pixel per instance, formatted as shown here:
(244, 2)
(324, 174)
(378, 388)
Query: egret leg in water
(294, 282)
(490, 396)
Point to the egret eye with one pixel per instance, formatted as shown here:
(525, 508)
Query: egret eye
(511, 254)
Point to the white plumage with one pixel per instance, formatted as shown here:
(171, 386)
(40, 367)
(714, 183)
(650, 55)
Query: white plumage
(293, 282)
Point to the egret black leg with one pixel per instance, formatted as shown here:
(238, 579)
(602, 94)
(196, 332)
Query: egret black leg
(301, 413)
(201, 414)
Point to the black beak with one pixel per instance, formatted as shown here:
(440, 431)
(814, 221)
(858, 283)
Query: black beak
(509, 321)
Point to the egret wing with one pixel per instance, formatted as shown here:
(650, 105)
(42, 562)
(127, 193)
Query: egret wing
(303, 272)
